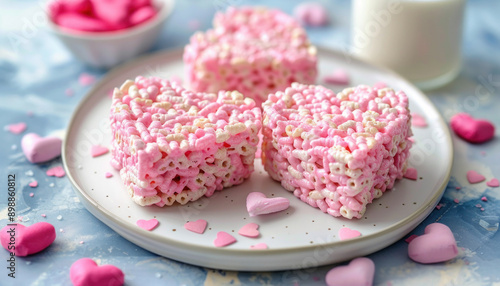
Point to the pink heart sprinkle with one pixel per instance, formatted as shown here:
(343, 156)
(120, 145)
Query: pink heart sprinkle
(261, 245)
(108, 175)
(472, 130)
(436, 245)
(29, 239)
(347, 233)
(198, 226)
(484, 199)
(147, 224)
(85, 271)
(249, 230)
(338, 77)
(418, 120)
(57, 171)
(97, 150)
(86, 79)
(493, 183)
(474, 177)
(359, 271)
(411, 173)
(33, 184)
(17, 128)
(224, 239)
(311, 14)
(40, 149)
(258, 204)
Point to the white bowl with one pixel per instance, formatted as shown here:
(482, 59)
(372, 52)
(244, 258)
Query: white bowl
(107, 49)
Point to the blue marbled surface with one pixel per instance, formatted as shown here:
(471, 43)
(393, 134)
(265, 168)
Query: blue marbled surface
(36, 70)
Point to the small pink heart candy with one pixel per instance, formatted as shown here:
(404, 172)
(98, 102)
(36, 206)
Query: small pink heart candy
(338, 77)
(97, 150)
(311, 14)
(86, 272)
(347, 233)
(142, 15)
(436, 245)
(198, 226)
(472, 130)
(224, 239)
(38, 149)
(411, 173)
(418, 120)
(493, 183)
(147, 224)
(17, 128)
(26, 240)
(249, 230)
(33, 184)
(86, 79)
(258, 204)
(360, 272)
(57, 171)
(78, 22)
(261, 245)
(112, 12)
(474, 177)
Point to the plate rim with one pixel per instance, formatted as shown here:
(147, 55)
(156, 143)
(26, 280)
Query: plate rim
(414, 217)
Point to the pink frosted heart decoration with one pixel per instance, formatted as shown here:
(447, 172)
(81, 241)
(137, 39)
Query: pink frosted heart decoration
(436, 245)
(347, 233)
(57, 171)
(261, 245)
(493, 183)
(28, 239)
(147, 224)
(97, 150)
(250, 230)
(311, 14)
(224, 239)
(17, 128)
(474, 177)
(258, 204)
(198, 226)
(338, 77)
(411, 173)
(418, 120)
(359, 272)
(472, 130)
(40, 149)
(86, 272)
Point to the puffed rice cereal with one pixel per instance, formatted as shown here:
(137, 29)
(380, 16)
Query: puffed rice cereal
(336, 152)
(256, 51)
(174, 145)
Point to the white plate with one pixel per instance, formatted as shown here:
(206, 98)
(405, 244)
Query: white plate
(298, 237)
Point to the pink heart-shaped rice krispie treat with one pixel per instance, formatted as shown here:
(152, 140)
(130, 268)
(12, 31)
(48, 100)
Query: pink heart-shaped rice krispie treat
(256, 51)
(336, 152)
(171, 144)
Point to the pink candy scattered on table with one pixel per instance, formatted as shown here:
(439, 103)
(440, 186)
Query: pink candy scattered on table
(100, 15)
(253, 50)
(336, 152)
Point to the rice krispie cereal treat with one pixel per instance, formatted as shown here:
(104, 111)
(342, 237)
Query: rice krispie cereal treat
(174, 145)
(336, 152)
(253, 50)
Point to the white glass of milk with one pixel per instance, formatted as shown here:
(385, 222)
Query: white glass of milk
(419, 39)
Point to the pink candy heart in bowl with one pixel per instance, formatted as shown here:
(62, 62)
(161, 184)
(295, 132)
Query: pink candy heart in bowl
(26, 240)
(85, 272)
(436, 245)
(40, 149)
